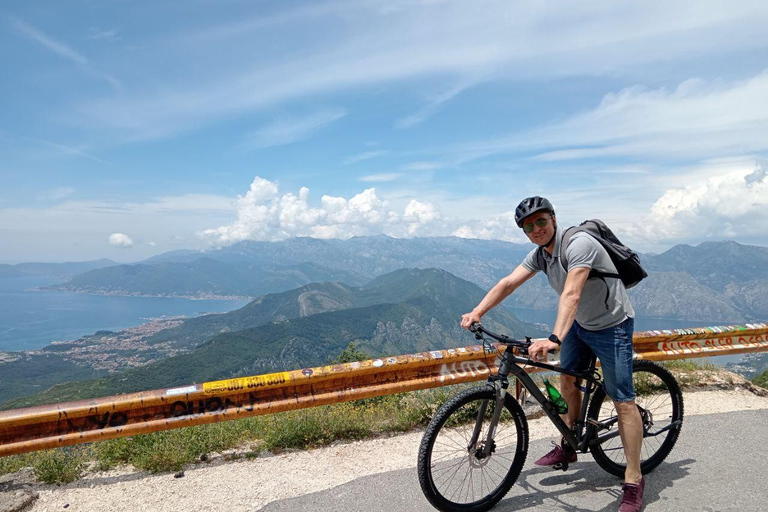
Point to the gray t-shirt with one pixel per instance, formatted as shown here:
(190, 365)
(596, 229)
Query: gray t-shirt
(595, 312)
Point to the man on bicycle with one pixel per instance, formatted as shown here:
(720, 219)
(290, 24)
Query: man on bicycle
(593, 316)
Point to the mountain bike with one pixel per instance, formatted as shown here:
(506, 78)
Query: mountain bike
(475, 446)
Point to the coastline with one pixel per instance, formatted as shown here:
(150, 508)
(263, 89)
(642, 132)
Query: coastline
(123, 293)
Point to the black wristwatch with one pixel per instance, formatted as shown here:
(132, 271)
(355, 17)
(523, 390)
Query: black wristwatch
(554, 339)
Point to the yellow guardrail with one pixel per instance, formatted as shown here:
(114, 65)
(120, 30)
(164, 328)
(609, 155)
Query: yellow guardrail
(64, 424)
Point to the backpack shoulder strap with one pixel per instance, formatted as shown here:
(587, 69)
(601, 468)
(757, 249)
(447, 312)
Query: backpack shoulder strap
(540, 261)
(567, 235)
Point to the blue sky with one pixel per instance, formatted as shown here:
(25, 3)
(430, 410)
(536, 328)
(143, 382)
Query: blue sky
(133, 128)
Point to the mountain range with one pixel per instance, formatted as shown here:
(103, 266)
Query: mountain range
(711, 282)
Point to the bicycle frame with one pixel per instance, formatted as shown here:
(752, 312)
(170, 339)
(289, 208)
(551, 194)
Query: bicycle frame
(576, 438)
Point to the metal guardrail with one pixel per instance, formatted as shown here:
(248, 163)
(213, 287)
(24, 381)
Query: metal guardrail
(64, 424)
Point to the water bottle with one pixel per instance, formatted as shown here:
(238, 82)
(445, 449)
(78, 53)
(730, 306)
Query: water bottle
(556, 398)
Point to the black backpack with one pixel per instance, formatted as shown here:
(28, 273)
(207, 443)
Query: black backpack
(626, 261)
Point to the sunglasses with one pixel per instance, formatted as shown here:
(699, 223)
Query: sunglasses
(528, 226)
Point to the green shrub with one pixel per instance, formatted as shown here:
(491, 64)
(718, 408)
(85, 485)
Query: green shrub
(761, 380)
(60, 466)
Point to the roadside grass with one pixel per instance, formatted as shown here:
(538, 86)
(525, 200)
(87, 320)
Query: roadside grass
(59, 466)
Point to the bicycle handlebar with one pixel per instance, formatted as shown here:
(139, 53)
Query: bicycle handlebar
(479, 330)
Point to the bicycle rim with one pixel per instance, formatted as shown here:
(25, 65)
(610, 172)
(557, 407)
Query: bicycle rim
(457, 476)
(660, 402)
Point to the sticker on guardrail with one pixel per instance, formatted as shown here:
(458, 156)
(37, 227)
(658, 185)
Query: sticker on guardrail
(242, 383)
(181, 391)
(712, 344)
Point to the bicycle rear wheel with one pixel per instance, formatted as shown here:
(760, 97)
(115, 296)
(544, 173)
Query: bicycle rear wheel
(660, 403)
(456, 476)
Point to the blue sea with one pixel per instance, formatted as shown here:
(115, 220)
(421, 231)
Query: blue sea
(30, 320)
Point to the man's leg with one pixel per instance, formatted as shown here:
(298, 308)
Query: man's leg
(631, 432)
(613, 347)
(572, 396)
(574, 356)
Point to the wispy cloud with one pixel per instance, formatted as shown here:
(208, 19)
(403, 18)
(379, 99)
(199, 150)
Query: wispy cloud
(421, 166)
(362, 46)
(363, 156)
(433, 106)
(62, 50)
(56, 194)
(697, 119)
(103, 35)
(70, 150)
(373, 178)
(288, 130)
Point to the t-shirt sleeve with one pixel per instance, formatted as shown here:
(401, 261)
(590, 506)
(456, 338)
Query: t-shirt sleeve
(531, 262)
(581, 252)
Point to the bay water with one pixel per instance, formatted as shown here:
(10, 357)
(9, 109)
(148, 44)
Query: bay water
(30, 320)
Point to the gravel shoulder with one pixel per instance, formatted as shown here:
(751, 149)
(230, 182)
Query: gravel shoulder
(249, 484)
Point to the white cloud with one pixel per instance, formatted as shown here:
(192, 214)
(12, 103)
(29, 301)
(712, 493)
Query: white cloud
(731, 205)
(501, 227)
(381, 177)
(289, 130)
(264, 214)
(418, 215)
(120, 240)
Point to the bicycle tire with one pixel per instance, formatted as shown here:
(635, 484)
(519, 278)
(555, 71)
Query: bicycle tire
(458, 414)
(657, 392)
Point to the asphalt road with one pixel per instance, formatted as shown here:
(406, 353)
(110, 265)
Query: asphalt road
(719, 464)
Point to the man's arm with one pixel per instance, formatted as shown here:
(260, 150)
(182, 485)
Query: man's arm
(566, 311)
(498, 293)
(569, 300)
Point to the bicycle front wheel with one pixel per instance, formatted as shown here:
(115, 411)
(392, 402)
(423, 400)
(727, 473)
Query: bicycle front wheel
(660, 402)
(454, 472)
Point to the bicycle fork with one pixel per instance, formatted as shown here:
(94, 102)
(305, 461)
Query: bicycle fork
(500, 386)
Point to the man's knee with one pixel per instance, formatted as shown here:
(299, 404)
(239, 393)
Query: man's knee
(625, 409)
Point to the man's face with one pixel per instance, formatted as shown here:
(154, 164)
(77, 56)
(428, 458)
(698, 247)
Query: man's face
(540, 234)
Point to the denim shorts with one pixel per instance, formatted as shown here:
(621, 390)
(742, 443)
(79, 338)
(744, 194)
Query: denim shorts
(612, 346)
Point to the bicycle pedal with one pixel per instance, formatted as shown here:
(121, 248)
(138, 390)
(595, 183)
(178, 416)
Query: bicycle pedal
(561, 466)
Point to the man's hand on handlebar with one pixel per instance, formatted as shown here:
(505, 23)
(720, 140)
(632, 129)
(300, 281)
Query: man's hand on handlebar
(470, 318)
(539, 348)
